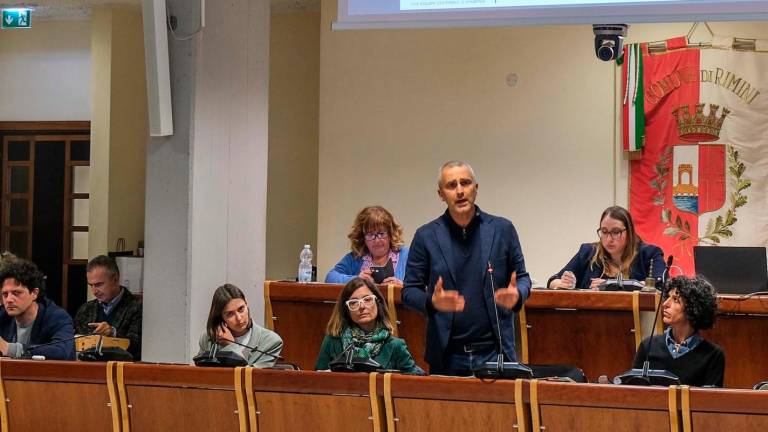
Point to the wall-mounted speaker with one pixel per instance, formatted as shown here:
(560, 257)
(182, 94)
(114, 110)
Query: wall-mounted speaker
(158, 70)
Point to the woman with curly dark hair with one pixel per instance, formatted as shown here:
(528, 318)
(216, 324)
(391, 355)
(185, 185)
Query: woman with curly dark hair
(690, 305)
(376, 240)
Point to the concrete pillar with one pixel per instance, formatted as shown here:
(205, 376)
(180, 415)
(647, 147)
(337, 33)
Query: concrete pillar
(206, 185)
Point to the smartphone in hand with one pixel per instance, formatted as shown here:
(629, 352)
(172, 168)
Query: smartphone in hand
(380, 273)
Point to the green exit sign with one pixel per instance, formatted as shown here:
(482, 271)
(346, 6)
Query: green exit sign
(17, 18)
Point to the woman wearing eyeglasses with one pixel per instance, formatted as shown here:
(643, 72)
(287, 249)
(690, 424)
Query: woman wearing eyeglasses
(619, 248)
(361, 319)
(376, 240)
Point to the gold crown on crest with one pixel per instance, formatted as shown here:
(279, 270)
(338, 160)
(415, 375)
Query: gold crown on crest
(699, 127)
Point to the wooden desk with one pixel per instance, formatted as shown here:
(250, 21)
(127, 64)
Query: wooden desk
(593, 407)
(176, 397)
(596, 331)
(125, 397)
(715, 410)
(741, 330)
(54, 396)
(453, 404)
(300, 312)
(312, 401)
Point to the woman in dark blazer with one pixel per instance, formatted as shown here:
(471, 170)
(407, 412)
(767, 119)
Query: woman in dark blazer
(619, 248)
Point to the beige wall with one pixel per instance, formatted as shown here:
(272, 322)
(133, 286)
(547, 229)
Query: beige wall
(396, 104)
(293, 123)
(118, 129)
(45, 72)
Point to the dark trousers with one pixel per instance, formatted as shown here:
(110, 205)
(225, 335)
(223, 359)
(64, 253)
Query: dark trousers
(462, 362)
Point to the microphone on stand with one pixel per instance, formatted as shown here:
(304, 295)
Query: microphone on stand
(208, 359)
(647, 376)
(274, 356)
(28, 350)
(343, 361)
(347, 362)
(500, 368)
(220, 358)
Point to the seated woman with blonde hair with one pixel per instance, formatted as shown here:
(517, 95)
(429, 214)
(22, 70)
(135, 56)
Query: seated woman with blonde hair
(619, 249)
(361, 319)
(230, 328)
(376, 241)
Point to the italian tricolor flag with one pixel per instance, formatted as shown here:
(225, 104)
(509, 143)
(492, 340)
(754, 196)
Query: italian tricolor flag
(633, 106)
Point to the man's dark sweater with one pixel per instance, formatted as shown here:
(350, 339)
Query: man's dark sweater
(473, 324)
(704, 365)
(125, 317)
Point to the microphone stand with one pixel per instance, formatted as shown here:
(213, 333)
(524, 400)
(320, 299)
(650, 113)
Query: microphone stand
(511, 370)
(274, 356)
(347, 362)
(220, 358)
(647, 376)
(343, 361)
(31, 348)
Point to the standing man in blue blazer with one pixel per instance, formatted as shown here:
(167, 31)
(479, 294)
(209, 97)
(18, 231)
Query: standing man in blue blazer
(449, 274)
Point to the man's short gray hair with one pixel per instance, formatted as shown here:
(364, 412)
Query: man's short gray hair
(452, 164)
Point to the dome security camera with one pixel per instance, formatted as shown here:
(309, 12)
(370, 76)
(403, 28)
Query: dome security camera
(609, 40)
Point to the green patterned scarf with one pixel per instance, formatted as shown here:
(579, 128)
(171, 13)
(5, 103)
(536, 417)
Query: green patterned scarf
(367, 345)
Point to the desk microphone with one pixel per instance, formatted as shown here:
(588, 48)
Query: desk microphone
(217, 358)
(347, 362)
(274, 356)
(29, 349)
(647, 376)
(99, 353)
(500, 368)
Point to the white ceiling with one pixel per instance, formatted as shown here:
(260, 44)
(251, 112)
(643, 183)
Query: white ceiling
(81, 9)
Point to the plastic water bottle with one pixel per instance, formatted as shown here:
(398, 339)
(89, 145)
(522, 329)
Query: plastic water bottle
(305, 265)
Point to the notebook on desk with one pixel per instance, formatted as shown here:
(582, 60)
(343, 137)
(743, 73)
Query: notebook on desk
(732, 269)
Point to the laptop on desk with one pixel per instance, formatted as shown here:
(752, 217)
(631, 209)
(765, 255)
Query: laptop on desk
(731, 269)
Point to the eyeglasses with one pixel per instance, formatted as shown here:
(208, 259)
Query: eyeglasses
(374, 235)
(614, 234)
(367, 301)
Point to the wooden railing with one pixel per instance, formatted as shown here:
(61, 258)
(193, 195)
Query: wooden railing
(125, 397)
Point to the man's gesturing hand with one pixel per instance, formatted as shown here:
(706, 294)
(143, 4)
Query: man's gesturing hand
(447, 301)
(508, 297)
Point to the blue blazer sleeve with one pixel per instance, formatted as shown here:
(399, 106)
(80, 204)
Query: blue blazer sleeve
(344, 270)
(517, 264)
(57, 326)
(415, 293)
(579, 266)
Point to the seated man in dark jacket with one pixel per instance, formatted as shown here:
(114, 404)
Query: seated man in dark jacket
(28, 319)
(114, 311)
